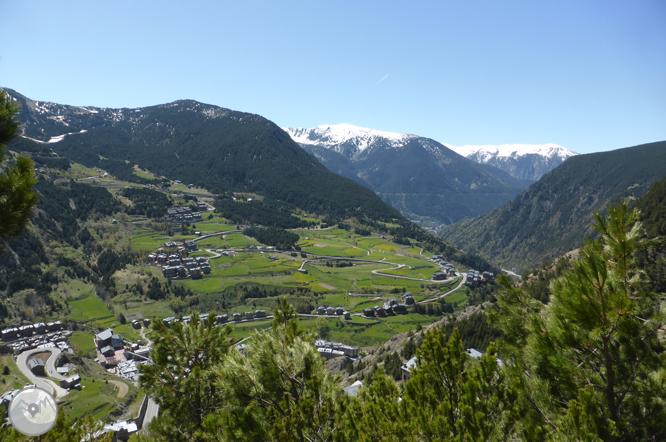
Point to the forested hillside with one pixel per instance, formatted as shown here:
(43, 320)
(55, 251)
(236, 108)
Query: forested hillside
(219, 149)
(553, 215)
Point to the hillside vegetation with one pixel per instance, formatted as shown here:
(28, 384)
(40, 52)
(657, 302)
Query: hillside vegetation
(218, 149)
(553, 215)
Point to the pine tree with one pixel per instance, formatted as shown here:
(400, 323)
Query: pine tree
(587, 362)
(182, 380)
(17, 196)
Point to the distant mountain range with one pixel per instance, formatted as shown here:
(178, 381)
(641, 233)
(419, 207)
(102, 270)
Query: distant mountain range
(522, 161)
(428, 182)
(554, 215)
(222, 150)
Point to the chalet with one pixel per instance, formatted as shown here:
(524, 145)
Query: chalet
(206, 269)
(37, 367)
(196, 273)
(182, 272)
(103, 339)
(260, 314)
(170, 272)
(40, 328)
(368, 312)
(321, 310)
(330, 310)
(408, 299)
(221, 319)
(439, 276)
(237, 317)
(108, 351)
(347, 315)
(9, 334)
(339, 311)
(146, 322)
(136, 324)
(407, 368)
(249, 315)
(379, 311)
(26, 330)
(71, 382)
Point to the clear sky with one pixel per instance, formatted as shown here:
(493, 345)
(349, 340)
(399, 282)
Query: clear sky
(588, 75)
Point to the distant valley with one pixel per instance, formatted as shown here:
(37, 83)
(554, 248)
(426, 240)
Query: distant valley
(428, 182)
(554, 215)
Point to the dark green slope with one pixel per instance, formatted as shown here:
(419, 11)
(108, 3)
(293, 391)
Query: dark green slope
(653, 215)
(553, 215)
(205, 145)
(422, 178)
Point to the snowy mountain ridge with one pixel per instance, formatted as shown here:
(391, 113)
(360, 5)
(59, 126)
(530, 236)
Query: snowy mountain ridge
(485, 153)
(333, 136)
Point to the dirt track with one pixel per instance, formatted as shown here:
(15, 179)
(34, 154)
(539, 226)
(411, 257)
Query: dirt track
(122, 388)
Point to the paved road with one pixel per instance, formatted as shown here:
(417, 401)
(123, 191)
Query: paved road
(46, 384)
(152, 410)
(462, 281)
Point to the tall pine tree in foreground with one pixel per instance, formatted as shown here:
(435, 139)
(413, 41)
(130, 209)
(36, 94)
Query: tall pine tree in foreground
(588, 361)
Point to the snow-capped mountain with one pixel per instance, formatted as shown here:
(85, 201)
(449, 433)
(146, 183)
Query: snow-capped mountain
(522, 161)
(422, 178)
(347, 139)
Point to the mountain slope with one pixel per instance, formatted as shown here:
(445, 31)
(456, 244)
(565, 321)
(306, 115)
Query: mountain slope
(523, 161)
(554, 214)
(422, 178)
(209, 146)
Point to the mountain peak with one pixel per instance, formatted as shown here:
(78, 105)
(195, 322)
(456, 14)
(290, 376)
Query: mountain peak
(328, 135)
(523, 161)
(514, 150)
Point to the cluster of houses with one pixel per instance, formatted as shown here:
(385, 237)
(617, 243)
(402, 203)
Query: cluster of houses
(185, 215)
(447, 270)
(173, 266)
(390, 307)
(330, 311)
(219, 319)
(474, 278)
(137, 323)
(330, 350)
(190, 246)
(118, 357)
(41, 335)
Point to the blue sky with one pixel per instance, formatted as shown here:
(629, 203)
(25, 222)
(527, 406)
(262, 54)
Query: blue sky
(588, 75)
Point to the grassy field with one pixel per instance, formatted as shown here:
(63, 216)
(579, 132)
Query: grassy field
(15, 379)
(82, 340)
(92, 307)
(325, 284)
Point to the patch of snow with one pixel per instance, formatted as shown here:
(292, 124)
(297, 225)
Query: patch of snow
(59, 138)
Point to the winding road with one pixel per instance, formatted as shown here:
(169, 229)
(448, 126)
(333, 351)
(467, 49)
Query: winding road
(46, 384)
